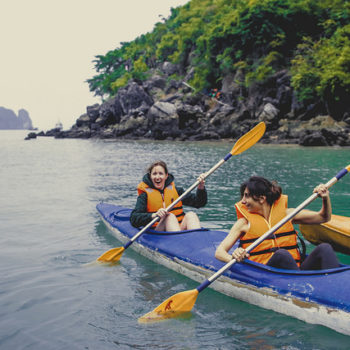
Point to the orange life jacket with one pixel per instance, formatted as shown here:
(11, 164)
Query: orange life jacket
(157, 200)
(285, 237)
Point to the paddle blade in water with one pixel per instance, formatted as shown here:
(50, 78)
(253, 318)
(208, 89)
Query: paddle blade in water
(175, 306)
(249, 139)
(112, 255)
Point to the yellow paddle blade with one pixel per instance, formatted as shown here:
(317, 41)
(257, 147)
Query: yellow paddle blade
(249, 139)
(174, 306)
(112, 255)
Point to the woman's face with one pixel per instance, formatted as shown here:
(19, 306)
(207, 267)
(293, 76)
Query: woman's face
(158, 177)
(253, 205)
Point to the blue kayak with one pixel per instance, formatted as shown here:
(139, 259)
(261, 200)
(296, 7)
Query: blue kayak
(317, 297)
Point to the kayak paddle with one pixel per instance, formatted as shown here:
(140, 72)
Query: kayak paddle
(184, 301)
(246, 141)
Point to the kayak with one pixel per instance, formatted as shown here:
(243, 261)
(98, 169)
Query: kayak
(317, 297)
(335, 232)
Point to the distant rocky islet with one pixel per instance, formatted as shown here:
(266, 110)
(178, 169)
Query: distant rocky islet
(10, 121)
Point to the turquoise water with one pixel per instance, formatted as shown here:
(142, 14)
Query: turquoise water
(51, 298)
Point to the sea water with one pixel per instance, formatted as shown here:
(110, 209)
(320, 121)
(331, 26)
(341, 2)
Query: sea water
(51, 297)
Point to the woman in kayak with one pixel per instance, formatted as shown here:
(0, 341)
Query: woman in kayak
(156, 192)
(261, 207)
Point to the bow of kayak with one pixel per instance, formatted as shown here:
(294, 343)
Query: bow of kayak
(335, 232)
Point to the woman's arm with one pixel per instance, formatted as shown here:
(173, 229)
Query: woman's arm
(312, 217)
(139, 216)
(196, 200)
(235, 233)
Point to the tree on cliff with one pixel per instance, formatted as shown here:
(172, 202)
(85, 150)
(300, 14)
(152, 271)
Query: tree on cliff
(253, 39)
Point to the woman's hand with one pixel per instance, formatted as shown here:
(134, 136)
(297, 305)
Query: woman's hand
(239, 254)
(161, 213)
(201, 179)
(322, 191)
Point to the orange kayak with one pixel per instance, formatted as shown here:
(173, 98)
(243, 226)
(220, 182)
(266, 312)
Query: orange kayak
(335, 232)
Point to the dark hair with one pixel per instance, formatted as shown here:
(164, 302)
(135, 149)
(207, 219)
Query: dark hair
(156, 163)
(259, 186)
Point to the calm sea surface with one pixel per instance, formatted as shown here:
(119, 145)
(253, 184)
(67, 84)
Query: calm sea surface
(51, 298)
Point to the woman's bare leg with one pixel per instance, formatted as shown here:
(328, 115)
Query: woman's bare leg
(190, 221)
(169, 223)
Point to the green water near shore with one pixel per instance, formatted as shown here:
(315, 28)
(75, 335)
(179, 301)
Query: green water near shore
(50, 230)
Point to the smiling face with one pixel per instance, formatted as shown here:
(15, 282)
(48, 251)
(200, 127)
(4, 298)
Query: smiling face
(253, 204)
(158, 177)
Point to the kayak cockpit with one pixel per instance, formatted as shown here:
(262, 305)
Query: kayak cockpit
(124, 215)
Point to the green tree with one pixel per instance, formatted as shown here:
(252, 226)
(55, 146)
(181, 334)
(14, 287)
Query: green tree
(259, 37)
(321, 70)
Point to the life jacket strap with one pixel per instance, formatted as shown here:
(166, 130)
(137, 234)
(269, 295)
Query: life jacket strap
(303, 248)
(274, 249)
(272, 236)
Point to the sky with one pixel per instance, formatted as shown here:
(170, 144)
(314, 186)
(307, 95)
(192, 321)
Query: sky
(48, 48)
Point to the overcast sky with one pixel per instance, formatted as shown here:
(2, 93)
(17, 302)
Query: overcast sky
(47, 49)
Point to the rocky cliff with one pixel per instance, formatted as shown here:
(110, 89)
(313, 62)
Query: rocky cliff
(161, 108)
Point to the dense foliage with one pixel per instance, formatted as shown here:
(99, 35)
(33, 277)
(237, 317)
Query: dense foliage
(256, 37)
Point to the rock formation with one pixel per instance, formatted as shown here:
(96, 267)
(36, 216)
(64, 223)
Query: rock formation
(9, 120)
(162, 108)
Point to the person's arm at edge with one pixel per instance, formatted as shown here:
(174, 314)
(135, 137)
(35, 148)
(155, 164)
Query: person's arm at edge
(235, 233)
